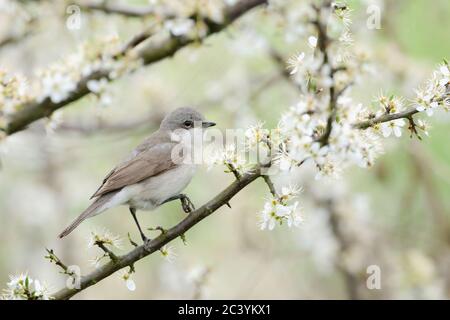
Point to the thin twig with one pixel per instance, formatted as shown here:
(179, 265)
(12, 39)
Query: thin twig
(271, 186)
(51, 256)
(116, 8)
(111, 254)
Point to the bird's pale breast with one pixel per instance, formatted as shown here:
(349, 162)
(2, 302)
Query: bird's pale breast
(153, 191)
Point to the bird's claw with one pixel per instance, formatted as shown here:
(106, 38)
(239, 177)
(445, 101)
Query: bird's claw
(187, 204)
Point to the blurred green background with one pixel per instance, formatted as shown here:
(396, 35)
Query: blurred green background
(47, 178)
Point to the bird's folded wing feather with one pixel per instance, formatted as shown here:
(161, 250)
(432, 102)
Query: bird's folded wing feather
(145, 164)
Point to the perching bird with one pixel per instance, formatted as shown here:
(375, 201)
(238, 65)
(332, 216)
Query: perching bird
(149, 177)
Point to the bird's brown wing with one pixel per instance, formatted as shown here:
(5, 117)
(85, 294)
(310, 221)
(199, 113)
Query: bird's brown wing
(146, 164)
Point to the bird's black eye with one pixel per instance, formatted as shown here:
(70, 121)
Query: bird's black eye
(188, 123)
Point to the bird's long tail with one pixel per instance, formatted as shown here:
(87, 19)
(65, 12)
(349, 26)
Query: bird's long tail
(91, 211)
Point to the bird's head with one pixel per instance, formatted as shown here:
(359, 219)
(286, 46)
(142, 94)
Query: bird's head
(185, 118)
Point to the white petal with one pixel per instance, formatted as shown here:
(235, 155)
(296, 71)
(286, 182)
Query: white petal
(289, 221)
(312, 41)
(420, 108)
(399, 122)
(386, 130)
(285, 164)
(93, 85)
(37, 286)
(131, 285)
(271, 224)
(318, 175)
(397, 132)
(444, 82)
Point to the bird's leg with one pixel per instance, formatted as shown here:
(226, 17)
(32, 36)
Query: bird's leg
(133, 213)
(186, 203)
(178, 196)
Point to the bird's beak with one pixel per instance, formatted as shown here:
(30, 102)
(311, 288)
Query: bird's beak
(207, 124)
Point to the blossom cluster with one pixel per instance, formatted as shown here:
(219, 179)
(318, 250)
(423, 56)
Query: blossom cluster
(95, 63)
(278, 210)
(436, 92)
(305, 124)
(188, 18)
(322, 127)
(92, 65)
(22, 287)
(231, 156)
(103, 237)
(14, 91)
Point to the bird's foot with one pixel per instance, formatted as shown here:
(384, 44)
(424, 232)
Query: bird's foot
(186, 203)
(147, 242)
(145, 239)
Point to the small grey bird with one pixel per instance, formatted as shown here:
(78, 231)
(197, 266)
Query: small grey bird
(149, 177)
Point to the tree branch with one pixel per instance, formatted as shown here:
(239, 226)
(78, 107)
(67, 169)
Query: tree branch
(323, 42)
(179, 230)
(116, 8)
(385, 118)
(149, 53)
(16, 38)
(350, 279)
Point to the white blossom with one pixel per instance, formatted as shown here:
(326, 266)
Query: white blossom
(295, 63)
(22, 287)
(346, 38)
(327, 168)
(231, 156)
(444, 70)
(275, 212)
(255, 135)
(294, 218)
(180, 26)
(97, 86)
(129, 282)
(394, 126)
(105, 237)
(312, 41)
(423, 125)
(289, 193)
(57, 87)
(168, 253)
